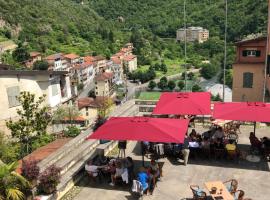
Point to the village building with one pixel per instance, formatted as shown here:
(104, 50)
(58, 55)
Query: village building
(193, 34)
(34, 56)
(54, 84)
(57, 62)
(104, 85)
(249, 70)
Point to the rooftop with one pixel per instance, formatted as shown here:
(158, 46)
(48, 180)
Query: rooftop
(104, 76)
(34, 54)
(71, 56)
(129, 57)
(91, 102)
(30, 72)
(252, 38)
(54, 56)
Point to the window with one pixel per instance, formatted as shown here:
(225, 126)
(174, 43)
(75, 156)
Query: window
(247, 80)
(87, 114)
(251, 53)
(13, 93)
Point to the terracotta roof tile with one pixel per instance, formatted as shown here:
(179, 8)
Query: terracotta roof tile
(71, 56)
(104, 76)
(34, 54)
(129, 57)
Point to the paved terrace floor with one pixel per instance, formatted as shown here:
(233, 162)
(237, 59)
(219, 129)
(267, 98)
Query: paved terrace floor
(253, 178)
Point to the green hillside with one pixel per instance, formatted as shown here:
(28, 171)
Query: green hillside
(164, 17)
(50, 25)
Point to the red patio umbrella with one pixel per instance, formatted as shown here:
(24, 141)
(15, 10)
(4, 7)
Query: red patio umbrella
(184, 103)
(243, 111)
(143, 129)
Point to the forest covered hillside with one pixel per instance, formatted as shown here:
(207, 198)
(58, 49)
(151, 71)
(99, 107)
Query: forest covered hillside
(103, 26)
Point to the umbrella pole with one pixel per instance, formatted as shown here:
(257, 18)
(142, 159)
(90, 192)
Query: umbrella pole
(254, 127)
(142, 154)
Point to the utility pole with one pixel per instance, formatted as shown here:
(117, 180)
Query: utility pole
(225, 49)
(267, 54)
(185, 27)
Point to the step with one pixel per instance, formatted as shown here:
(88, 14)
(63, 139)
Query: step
(64, 150)
(76, 155)
(74, 174)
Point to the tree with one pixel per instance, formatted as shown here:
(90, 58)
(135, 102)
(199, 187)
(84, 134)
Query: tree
(104, 107)
(171, 85)
(33, 120)
(162, 84)
(163, 67)
(21, 54)
(65, 113)
(12, 184)
(196, 88)
(181, 85)
(41, 65)
(164, 78)
(152, 85)
(190, 75)
(111, 36)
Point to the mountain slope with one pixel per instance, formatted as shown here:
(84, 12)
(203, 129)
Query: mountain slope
(163, 17)
(49, 25)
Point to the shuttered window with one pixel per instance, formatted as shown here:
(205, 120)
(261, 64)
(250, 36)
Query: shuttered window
(13, 93)
(247, 80)
(251, 53)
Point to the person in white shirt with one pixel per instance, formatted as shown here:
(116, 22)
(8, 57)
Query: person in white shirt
(219, 134)
(91, 169)
(119, 170)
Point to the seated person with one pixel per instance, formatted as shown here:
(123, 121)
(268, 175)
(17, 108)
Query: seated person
(219, 134)
(100, 160)
(230, 146)
(92, 169)
(205, 143)
(265, 142)
(218, 144)
(193, 134)
(154, 171)
(130, 167)
(119, 170)
(143, 178)
(207, 135)
(254, 141)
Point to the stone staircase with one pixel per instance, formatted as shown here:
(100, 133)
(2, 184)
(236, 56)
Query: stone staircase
(73, 155)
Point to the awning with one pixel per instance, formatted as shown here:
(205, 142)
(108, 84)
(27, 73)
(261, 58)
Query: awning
(243, 111)
(184, 103)
(143, 129)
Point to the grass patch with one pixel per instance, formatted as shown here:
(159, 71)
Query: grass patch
(173, 67)
(149, 95)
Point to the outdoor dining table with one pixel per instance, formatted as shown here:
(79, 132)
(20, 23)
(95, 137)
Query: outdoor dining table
(221, 193)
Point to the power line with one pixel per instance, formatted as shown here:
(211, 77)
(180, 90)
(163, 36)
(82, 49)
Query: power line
(185, 28)
(225, 49)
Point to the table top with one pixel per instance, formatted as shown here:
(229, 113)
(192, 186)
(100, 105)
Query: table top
(225, 194)
(253, 158)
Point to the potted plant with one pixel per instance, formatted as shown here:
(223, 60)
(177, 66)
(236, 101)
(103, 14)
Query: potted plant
(30, 170)
(49, 179)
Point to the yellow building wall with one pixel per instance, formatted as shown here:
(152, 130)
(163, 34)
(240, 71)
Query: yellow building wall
(255, 93)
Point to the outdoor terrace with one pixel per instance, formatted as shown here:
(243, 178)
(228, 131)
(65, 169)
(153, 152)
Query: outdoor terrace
(253, 177)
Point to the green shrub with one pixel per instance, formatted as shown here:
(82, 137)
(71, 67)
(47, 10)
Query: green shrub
(72, 131)
(42, 140)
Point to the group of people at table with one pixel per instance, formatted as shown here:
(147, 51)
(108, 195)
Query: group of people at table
(122, 170)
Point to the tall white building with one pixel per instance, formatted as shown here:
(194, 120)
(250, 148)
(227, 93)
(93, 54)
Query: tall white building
(193, 34)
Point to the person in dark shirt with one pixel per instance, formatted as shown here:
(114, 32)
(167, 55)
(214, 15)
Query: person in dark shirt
(218, 144)
(122, 145)
(185, 150)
